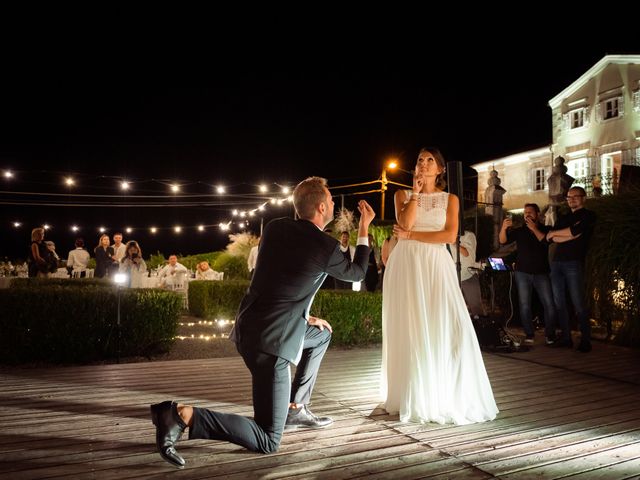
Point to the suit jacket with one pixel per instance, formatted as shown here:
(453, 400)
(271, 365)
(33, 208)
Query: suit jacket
(294, 258)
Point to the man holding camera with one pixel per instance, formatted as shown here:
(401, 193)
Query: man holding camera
(532, 269)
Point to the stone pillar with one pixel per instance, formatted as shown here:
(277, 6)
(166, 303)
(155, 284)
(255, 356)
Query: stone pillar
(493, 197)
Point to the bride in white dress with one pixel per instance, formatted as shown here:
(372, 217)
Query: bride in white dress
(432, 368)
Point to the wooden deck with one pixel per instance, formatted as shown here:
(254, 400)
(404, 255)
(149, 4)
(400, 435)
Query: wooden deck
(561, 414)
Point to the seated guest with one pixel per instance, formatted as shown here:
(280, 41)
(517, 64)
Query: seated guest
(203, 272)
(53, 259)
(172, 272)
(133, 265)
(78, 259)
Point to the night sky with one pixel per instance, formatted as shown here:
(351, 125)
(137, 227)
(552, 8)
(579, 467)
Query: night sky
(245, 128)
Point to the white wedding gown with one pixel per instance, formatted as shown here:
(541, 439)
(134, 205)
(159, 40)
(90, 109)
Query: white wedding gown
(432, 368)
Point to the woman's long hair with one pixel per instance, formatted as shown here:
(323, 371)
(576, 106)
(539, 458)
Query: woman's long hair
(100, 242)
(131, 243)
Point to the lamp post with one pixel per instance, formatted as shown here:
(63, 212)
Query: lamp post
(120, 279)
(390, 165)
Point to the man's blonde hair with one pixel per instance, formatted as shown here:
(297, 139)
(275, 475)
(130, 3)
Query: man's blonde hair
(307, 195)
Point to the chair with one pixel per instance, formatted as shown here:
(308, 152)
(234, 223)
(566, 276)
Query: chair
(180, 284)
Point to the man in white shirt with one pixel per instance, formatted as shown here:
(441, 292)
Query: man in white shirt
(348, 251)
(173, 272)
(119, 248)
(78, 259)
(470, 283)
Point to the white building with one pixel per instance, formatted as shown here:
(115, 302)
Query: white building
(596, 128)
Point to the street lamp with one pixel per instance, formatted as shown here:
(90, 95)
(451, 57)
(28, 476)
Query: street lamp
(390, 165)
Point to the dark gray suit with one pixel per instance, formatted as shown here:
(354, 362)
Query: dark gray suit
(271, 331)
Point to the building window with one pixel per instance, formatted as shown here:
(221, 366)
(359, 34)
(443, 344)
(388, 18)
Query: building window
(539, 179)
(578, 169)
(577, 118)
(611, 108)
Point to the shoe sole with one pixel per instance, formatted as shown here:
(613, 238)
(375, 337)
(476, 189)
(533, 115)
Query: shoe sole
(154, 420)
(289, 428)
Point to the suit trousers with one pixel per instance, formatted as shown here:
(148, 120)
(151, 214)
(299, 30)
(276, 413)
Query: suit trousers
(272, 392)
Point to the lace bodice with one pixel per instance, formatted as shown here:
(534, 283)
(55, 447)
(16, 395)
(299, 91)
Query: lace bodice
(432, 211)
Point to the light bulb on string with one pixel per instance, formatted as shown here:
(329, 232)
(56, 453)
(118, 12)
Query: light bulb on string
(177, 229)
(124, 185)
(201, 228)
(8, 174)
(75, 228)
(220, 189)
(153, 229)
(128, 229)
(264, 189)
(285, 190)
(175, 188)
(69, 181)
(16, 224)
(102, 229)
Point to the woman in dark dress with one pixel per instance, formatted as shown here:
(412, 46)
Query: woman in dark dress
(38, 254)
(104, 257)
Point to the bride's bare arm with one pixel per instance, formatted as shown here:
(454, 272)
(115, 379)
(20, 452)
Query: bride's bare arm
(446, 235)
(406, 208)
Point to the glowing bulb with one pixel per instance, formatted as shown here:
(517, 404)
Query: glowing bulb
(243, 214)
(261, 208)
(220, 189)
(285, 190)
(201, 228)
(234, 213)
(102, 229)
(290, 198)
(16, 224)
(46, 227)
(177, 229)
(273, 201)
(264, 189)
(175, 188)
(128, 229)
(8, 174)
(392, 164)
(120, 278)
(124, 185)
(154, 229)
(69, 181)
(75, 228)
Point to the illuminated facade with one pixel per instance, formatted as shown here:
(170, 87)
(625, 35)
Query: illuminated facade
(596, 128)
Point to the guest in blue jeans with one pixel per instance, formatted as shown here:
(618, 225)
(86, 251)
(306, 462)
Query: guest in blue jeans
(532, 269)
(572, 234)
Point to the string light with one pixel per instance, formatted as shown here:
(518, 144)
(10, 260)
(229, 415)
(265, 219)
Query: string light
(128, 229)
(124, 185)
(16, 224)
(285, 190)
(69, 181)
(220, 189)
(264, 189)
(75, 228)
(175, 188)
(8, 174)
(177, 229)
(234, 213)
(102, 229)
(46, 227)
(201, 228)
(153, 229)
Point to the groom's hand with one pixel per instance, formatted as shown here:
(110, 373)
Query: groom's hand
(320, 323)
(366, 212)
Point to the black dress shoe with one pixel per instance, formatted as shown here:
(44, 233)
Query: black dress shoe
(303, 418)
(169, 428)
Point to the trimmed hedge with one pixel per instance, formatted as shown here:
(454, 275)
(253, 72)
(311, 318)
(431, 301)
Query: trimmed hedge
(209, 299)
(354, 316)
(62, 324)
(39, 282)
